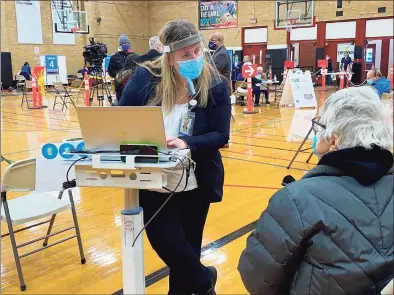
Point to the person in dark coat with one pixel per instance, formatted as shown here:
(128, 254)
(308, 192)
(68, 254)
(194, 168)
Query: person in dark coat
(26, 71)
(156, 50)
(332, 231)
(181, 76)
(329, 71)
(220, 55)
(117, 61)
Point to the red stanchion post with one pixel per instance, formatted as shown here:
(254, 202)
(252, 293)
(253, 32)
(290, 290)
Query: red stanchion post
(87, 91)
(391, 76)
(342, 78)
(323, 78)
(348, 76)
(34, 90)
(249, 71)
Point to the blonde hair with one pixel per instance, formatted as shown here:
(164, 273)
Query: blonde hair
(246, 58)
(167, 89)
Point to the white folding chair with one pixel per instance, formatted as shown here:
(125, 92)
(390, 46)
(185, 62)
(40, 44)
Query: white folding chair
(20, 82)
(20, 176)
(389, 289)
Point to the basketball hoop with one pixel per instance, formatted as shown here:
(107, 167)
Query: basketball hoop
(75, 30)
(289, 23)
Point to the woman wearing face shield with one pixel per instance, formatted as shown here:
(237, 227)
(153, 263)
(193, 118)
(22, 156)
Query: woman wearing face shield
(332, 231)
(176, 81)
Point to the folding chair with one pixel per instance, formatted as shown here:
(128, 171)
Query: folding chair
(63, 94)
(20, 82)
(28, 85)
(20, 176)
(76, 87)
(241, 95)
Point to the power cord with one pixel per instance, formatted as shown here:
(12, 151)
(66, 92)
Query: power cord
(71, 183)
(168, 190)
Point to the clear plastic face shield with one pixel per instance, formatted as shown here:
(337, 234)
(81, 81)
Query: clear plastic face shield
(193, 61)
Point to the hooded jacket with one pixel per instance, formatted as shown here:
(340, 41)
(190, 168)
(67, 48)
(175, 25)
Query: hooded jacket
(329, 233)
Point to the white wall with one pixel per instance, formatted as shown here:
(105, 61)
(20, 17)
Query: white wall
(303, 34)
(391, 54)
(379, 27)
(341, 30)
(258, 35)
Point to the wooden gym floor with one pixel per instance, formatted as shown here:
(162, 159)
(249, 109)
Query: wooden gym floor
(261, 147)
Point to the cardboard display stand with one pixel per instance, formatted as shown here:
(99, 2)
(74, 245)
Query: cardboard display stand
(298, 90)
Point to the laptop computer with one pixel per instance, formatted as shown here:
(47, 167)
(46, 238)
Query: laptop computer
(106, 128)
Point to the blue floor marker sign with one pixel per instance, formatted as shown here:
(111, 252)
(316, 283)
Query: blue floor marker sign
(66, 148)
(49, 151)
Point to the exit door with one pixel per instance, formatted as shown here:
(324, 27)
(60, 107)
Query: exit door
(256, 54)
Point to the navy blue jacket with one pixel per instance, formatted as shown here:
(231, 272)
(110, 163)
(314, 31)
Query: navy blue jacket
(211, 129)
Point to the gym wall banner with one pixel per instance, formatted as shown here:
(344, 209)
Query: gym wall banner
(217, 14)
(28, 21)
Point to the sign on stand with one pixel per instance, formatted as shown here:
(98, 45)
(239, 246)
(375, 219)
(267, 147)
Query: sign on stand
(51, 64)
(298, 90)
(249, 71)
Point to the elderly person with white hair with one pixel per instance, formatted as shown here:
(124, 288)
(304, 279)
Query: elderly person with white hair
(156, 50)
(332, 231)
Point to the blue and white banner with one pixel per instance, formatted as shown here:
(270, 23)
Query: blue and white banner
(51, 64)
(28, 21)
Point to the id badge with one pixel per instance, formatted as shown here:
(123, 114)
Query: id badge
(187, 124)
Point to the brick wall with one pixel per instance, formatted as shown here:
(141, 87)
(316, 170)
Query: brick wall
(129, 17)
(148, 17)
(264, 11)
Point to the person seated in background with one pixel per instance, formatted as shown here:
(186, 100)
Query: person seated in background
(332, 231)
(26, 71)
(255, 84)
(264, 87)
(156, 50)
(381, 84)
(84, 70)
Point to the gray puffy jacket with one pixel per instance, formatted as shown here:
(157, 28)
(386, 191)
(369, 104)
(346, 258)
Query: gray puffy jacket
(329, 233)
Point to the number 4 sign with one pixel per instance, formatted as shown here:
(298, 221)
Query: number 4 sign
(51, 64)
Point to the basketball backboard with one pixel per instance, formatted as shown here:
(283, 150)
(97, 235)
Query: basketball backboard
(71, 21)
(294, 13)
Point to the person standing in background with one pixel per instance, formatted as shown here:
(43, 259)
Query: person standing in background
(220, 55)
(117, 61)
(346, 61)
(156, 50)
(329, 71)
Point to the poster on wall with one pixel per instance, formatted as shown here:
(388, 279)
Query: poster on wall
(29, 28)
(218, 15)
(342, 49)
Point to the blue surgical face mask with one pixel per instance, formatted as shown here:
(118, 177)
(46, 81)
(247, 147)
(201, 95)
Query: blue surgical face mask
(191, 69)
(369, 81)
(314, 144)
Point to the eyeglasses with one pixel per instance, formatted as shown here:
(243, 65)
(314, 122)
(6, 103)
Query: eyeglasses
(316, 125)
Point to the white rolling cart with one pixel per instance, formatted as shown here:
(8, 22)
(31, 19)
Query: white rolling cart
(104, 129)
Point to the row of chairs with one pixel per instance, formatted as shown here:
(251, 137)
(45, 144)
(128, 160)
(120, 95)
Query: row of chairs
(63, 95)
